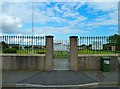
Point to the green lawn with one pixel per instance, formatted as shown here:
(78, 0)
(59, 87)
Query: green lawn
(95, 52)
(65, 53)
(59, 54)
(36, 51)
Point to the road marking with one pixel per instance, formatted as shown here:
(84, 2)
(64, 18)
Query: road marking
(36, 85)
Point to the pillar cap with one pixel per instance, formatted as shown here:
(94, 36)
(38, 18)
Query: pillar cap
(49, 36)
(73, 37)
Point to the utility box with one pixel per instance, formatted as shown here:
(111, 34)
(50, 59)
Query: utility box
(105, 64)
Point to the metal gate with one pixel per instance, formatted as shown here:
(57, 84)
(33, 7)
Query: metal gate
(61, 55)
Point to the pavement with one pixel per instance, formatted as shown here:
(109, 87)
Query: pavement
(100, 76)
(67, 79)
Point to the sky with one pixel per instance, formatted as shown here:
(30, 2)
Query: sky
(60, 19)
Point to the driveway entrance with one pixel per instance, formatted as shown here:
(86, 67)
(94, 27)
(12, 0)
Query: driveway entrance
(61, 64)
(61, 55)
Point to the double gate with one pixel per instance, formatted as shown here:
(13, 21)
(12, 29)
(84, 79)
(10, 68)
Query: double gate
(61, 55)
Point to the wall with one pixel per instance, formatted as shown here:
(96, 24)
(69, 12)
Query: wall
(23, 62)
(37, 62)
(92, 62)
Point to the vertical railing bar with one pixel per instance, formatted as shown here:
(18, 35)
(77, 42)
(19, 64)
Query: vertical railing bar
(18, 44)
(99, 45)
(38, 44)
(80, 46)
(105, 43)
(27, 41)
(27, 44)
(89, 44)
(94, 44)
(35, 45)
(97, 48)
(7, 40)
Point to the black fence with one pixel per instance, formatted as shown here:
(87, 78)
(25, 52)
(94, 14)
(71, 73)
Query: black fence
(98, 45)
(36, 45)
(22, 44)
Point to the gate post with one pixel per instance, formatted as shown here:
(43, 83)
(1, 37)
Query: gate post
(49, 53)
(73, 53)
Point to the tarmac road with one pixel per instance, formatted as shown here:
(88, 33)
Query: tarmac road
(67, 88)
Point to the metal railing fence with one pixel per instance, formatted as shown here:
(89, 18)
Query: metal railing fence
(97, 45)
(23, 44)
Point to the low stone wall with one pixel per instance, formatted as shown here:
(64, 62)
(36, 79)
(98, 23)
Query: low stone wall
(23, 62)
(93, 62)
(37, 62)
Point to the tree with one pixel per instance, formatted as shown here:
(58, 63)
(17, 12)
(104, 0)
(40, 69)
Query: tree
(114, 41)
(3, 45)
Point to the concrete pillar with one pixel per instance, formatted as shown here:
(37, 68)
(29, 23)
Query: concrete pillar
(73, 53)
(49, 53)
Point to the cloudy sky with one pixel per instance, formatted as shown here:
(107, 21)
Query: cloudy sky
(60, 19)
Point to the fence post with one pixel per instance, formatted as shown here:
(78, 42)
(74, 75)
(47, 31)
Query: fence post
(49, 53)
(73, 53)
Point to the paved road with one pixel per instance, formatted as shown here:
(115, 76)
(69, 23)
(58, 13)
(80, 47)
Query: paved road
(69, 88)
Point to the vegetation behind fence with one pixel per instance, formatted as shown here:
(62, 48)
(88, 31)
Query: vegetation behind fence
(99, 45)
(36, 44)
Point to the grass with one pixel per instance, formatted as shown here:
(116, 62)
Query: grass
(65, 54)
(95, 52)
(59, 54)
(36, 51)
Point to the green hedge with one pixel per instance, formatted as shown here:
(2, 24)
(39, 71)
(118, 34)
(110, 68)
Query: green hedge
(10, 50)
(41, 52)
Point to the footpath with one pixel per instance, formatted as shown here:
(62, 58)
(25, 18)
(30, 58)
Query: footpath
(59, 79)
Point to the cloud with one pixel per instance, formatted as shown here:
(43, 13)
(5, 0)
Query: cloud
(79, 5)
(60, 1)
(70, 14)
(56, 30)
(18, 10)
(79, 20)
(56, 8)
(103, 6)
(10, 24)
(110, 19)
(59, 13)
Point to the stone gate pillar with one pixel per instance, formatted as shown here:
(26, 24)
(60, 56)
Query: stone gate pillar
(49, 53)
(73, 53)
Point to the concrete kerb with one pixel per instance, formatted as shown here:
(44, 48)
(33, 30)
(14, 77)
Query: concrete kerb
(95, 84)
(108, 83)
